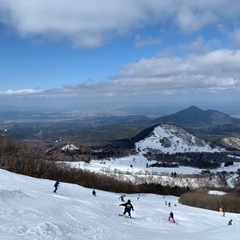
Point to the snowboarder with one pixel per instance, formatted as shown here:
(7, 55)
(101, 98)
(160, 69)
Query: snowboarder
(230, 222)
(170, 217)
(94, 193)
(169, 204)
(128, 207)
(56, 185)
(122, 197)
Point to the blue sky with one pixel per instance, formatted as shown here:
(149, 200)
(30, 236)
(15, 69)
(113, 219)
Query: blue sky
(113, 54)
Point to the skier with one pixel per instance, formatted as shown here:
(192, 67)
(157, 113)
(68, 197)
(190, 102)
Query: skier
(122, 197)
(170, 217)
(128, 207)
(230, 222)
(56, 185)
(94, 193)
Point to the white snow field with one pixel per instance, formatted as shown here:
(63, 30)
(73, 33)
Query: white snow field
(133, 168)
(30, 210)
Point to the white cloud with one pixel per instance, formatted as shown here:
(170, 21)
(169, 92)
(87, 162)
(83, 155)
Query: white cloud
(222, 61)
(216, 71)
(92, 23)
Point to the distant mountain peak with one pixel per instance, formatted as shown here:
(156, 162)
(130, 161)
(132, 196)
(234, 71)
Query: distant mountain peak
(193, 108)
(195, 116)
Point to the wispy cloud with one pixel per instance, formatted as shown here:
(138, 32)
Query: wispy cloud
(194, 19)
(140, 41)
(21, 92)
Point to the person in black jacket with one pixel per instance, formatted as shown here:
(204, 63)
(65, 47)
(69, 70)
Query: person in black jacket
(230, 222)
(56, 185)
(128, 207)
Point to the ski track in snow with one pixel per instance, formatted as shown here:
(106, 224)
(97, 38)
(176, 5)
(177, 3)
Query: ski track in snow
(29, 210)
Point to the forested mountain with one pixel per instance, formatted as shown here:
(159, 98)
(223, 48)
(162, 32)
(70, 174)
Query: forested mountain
(195, 116)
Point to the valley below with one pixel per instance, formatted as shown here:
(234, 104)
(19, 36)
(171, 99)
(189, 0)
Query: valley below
(139, 149)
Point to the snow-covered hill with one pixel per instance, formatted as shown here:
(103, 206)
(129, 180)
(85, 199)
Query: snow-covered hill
(165, 138)
(232, 142)
(169, 138)
(29, 210)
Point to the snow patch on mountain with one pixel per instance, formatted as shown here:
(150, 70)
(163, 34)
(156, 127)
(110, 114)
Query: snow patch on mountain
(231, 142)
(70, 147)
(213, 192)
(168, 138)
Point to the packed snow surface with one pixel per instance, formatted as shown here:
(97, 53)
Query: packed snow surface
(30, 210)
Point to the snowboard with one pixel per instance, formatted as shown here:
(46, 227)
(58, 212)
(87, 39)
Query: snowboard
(126, 216)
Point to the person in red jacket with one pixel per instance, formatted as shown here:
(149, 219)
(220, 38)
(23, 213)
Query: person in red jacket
(128, 207)
(170, 217)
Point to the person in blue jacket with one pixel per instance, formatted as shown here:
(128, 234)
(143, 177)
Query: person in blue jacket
(122, 197)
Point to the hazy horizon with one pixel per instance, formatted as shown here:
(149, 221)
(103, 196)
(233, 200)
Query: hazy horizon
(145, 110)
